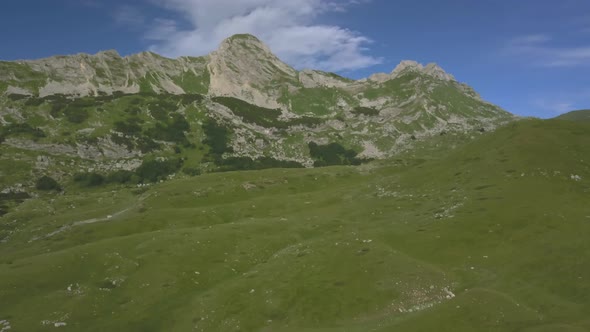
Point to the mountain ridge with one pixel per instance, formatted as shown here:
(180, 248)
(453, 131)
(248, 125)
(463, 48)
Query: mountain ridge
(431, 68)
(238, 107)
(242, 41)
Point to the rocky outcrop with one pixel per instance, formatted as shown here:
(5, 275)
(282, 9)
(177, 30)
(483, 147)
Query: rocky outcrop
(243, 67)
(103, 73)
(105, 149)
(14, 90)
(431, 70)
(315, 78)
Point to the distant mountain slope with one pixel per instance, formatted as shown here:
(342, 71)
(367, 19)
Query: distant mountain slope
(239, 107)
(105, 73)
(581, 115)
(244, 68)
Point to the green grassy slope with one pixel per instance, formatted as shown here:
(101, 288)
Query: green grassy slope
(581, 115)
(491, 236)
(107, 133)
(142, 126)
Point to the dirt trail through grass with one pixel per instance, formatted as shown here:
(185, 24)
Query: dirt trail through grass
(108, 217)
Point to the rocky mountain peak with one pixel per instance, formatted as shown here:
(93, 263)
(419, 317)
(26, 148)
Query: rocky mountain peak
(407, 65)
(431, 69)
(244, 45)
(434, 70)
(245, 37)
(241, 65)
(109, 54)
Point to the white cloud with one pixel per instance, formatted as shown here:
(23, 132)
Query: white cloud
(290, 28)
(541, 50)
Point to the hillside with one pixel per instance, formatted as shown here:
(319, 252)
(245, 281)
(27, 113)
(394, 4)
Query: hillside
(105, 116)
(581, 115)
(483, 235)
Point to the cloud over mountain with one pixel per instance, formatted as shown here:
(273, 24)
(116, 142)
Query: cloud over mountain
(292, 29)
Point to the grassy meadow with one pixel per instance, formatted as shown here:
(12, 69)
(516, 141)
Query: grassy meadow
(489, 235)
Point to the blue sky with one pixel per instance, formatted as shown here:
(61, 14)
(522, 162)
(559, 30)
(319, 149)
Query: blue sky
(532, 57)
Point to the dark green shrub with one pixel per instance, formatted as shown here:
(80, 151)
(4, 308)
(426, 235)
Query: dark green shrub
(179, 122)
(216, 137)
(32, 101)
(120, 176)
(261, 116)
(191, 98)
(365, 111)
(123, 140)
(11, 198)
(191, 171)
(136, 100)
(18, 196)
(131, 126)
(172, 130)
(16, 96)
(57, 109)
(133, 110)
(159, 114)
(89, 179)
(89, 140)
(20, 128)
(83, 102)
(264, 117)
(76, 115)
(332, 154)
(247, 163)
(56, 98)
(156, 170)
(47, 183)
(146, 144)
(162, 108)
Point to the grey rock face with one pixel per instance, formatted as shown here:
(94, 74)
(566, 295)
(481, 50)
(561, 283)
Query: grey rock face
(314, 78)
(431, 69)
(245, 68)
(106, 149)
(242, 67)
(105, 72)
